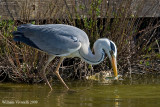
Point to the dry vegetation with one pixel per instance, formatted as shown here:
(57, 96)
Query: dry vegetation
(137, 39)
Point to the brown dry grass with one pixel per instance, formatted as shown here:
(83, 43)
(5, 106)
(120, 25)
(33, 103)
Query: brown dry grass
(97, 18)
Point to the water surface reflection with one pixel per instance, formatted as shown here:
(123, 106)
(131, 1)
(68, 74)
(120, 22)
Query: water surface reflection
(85, 94)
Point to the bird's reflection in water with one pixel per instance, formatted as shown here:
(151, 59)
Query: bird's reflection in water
(85, 96)
(117, 101)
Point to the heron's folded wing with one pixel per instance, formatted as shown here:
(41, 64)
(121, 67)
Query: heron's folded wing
(52, 41)
(57, 45)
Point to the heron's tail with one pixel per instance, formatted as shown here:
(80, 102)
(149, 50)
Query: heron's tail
(17, 36)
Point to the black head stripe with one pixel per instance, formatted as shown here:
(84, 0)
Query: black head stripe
(112, 47)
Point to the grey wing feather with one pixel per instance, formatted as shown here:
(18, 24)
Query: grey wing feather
(53, 39)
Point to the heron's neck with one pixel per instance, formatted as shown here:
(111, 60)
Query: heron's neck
(91, 58)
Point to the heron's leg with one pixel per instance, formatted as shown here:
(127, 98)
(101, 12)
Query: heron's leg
(57, 72)
(51, 57)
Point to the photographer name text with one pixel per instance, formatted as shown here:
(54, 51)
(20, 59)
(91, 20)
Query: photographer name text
(19, 102)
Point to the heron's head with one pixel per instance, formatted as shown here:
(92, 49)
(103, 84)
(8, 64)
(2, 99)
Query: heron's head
(111, 50)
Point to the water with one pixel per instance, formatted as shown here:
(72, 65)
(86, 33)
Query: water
(83, 94)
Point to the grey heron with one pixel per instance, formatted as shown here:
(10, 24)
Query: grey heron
(65, 41)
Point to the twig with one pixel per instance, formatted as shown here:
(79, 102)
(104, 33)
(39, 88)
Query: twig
(8, 41)
(151, 36)
(158, 46)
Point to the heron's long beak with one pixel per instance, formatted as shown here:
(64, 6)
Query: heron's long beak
(114, 65)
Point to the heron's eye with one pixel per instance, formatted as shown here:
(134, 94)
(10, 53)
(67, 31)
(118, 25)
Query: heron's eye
(112, 47)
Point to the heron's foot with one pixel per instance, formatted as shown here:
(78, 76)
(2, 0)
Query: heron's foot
(59, 77)
(51, 89)
(47, 82)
